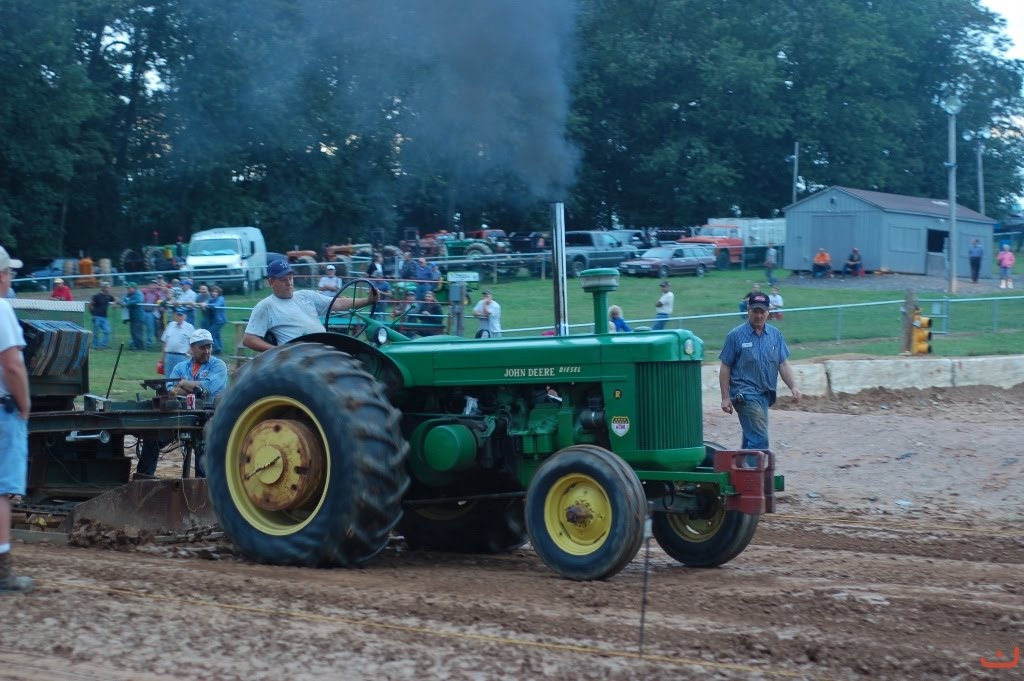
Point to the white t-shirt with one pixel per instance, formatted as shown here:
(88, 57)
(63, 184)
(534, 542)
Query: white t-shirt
(289, 318)
(334, 283)
(491, 323)
(775, 300)
(175, 338)
(666, 302)
(10, 336)
(188, 296)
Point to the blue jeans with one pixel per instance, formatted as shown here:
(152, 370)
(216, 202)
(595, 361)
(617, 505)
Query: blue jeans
(14, 461)
(214, 329)
(100, 332)
(150, 323)
(660, 320)
(138, 329)
(753, 413)
(769, 274)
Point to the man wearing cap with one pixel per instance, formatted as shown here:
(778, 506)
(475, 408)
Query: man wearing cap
(204, 375)
(753, 356)
(664, 306)
(61, 291)
(176, 341)
(289, 314)
(488, 312)
(330, 283)
(132, 302)
(98, 306)
(13, 424)
(853, 265)
(187, 299)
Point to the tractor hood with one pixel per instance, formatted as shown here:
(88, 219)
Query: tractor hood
(454, 362)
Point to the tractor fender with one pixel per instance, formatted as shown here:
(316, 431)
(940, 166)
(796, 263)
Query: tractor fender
(386, 370)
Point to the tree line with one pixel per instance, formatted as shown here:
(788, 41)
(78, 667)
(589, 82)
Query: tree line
(124, 122)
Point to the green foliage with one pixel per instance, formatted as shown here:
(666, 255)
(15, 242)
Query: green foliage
(321, 121)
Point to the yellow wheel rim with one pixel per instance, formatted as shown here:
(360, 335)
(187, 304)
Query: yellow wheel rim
(697, 529)
(578, 514)
(255, 470)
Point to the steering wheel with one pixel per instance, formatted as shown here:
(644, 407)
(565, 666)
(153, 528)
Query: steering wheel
(354, 285)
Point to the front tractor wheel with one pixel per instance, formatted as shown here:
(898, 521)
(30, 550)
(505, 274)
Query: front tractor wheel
(585, 513)
(305, 459)
(708, 539)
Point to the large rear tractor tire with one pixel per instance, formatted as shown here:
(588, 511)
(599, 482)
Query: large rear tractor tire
(305, 459)
(705, 541)
(477, 526)
(585, 513)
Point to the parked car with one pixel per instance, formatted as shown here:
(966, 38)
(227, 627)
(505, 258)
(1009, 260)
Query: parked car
(664, 261)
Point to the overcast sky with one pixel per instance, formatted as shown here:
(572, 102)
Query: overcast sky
(1013, 12)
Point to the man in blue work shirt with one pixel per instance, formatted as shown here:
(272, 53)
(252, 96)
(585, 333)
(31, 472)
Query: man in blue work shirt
(203, 375)
(753, 356)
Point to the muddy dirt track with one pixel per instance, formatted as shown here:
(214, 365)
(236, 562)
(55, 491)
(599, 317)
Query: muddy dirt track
(897, 554)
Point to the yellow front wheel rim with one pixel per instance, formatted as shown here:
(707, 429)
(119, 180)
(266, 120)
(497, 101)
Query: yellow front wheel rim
(246, 467)
(578, 514)
(698, 529)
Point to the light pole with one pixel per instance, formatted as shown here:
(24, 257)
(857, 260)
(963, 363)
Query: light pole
(979, 138)
(952, 106)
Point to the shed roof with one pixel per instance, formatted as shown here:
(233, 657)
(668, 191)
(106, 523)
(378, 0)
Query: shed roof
(898, 203)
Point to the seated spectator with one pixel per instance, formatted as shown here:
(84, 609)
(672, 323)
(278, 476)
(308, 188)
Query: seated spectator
(429, 315)
(822, 264)
(756, 288)
(775, 304)
(854, 265)
(616, 324)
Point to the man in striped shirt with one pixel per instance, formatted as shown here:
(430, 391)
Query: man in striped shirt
(753, 357)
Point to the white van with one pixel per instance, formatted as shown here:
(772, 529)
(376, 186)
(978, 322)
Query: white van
(232, 257)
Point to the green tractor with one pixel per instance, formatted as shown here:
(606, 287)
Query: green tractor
(322, 448)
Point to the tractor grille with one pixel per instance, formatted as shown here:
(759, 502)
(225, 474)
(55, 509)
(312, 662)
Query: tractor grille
(669, 411)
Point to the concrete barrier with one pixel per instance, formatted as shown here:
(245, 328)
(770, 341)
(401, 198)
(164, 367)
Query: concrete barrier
(1003, 372)
(853, 376)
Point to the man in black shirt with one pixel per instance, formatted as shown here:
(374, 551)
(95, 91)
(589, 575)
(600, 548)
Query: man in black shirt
(100, 324)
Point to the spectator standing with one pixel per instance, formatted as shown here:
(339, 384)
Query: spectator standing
(663, 308)
(975, 253)
(202, 298)
(425, 277)
(215, 317)
(408, 270)
(61, 291)
(616, 324)
(176, 341)
(13, 424)
(375, 270)
(288, 314)
(187, 299)
(854, 265)
(771, 261)
(753, 356)
(134, 309)
(151, 298)
(775, 303)
(488, 312)
(822, 266)
(1006, 259)
(330, 283)
(98, 306)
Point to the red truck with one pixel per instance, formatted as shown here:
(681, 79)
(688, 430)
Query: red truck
(725, 239)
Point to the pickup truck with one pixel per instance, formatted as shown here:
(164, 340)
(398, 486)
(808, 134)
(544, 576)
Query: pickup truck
(725, 239)
(587, 249)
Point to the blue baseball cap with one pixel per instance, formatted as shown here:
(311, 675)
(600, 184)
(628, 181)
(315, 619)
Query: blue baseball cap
(180, 310)
(278, 268)
(186, 282)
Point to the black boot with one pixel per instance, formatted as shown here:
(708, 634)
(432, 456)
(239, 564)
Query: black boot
(10, 582)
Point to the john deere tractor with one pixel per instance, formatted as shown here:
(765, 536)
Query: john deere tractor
(321, 449)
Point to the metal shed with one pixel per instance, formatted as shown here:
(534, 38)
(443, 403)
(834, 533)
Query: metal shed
(894, 233)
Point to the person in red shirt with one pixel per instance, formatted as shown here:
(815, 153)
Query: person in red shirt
(61, 291)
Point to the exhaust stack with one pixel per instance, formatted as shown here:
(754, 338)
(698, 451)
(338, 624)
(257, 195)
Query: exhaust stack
(558, 270)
